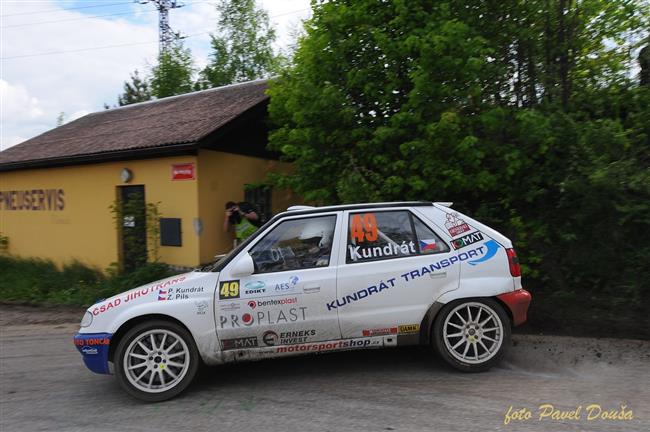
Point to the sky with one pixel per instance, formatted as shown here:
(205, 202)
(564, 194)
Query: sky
(72, 56)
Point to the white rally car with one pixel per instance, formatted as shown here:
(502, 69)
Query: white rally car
(316, 280)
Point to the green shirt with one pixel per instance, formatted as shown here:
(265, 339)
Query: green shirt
(244, 229)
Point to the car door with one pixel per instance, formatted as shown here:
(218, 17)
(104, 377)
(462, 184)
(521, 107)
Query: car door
(393, 267)
(283, 301)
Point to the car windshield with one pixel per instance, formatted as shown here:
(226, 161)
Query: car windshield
(222, 260)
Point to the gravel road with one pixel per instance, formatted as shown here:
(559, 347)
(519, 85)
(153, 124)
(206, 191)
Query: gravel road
(45, 387)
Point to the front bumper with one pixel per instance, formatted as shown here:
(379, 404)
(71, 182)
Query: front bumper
(94, 350)
(518, 302)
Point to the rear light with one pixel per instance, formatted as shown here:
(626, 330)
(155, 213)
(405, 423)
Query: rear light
(513, 262)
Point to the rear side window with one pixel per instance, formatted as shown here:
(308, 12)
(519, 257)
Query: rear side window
(382, 235)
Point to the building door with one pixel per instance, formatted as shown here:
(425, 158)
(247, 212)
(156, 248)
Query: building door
(134, 227)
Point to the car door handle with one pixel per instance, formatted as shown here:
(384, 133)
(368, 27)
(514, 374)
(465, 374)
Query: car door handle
(311, 289)
(438, 275)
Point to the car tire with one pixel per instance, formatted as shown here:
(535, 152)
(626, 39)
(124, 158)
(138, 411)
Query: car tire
(156, 360)
(472, 334)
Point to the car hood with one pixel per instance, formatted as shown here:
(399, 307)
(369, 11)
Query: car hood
(158, 291)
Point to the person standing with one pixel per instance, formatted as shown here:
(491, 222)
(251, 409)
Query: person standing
(240, 218)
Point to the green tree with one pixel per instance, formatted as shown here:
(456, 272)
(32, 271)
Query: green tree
(242, 46)
(644, 64)
(136, 90)
(173, 74)
(523, 113)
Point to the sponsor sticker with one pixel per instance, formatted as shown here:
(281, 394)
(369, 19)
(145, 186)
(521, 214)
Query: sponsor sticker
(271, 338)
(455, 225)
(201, 307)
(229, 289)
(239, 343)
(229, 306)
(89, 350)
(258, 317)
(392, 249)
(288, 286)
(481, 254)
(92, 341)
(467, 240)
(329, 346)
(136, 294)
(409, 328)
(274, 302)
(180, 293)
(380, 331)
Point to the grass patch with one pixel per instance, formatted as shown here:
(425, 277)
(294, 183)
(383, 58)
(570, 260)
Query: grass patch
(38, 281)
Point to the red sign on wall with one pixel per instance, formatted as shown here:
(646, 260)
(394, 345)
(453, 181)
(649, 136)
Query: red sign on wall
(183, 171)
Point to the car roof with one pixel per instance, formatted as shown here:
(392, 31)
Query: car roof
(301, 209)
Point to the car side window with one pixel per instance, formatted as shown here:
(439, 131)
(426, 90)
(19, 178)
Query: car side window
(428, 241)
(389, 234)
(295, 244)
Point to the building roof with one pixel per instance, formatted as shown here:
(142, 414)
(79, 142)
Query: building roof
(158, 127)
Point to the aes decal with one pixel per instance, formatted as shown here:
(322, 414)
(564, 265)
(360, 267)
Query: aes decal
(229, 289)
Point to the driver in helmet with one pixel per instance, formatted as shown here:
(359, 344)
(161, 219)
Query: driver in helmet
(317, 238)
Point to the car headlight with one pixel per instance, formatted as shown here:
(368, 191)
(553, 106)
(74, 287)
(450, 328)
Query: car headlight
(87, 319)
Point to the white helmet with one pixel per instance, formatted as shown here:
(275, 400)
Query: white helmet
(318, 228)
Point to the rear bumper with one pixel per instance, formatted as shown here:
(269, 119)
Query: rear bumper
(518, 302)
(94, 350)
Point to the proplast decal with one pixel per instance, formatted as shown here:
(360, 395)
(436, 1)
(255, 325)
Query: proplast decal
(259, 317)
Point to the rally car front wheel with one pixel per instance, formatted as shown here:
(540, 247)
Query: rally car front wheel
(156, 360)
(472, 335)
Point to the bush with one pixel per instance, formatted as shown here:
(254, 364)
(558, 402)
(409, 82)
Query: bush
(38, 281)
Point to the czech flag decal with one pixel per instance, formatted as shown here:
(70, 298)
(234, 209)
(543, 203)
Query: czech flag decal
(428, 245)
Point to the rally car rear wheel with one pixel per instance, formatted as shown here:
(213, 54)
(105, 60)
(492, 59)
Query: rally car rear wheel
(156, 360)
(472, 335)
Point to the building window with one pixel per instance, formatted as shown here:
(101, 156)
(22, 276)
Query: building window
(260, 198)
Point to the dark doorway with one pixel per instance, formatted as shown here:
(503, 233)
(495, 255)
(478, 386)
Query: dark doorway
(134, 227)
(260, 198)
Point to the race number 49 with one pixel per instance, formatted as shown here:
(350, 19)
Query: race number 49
(363, 228)
(229, 290)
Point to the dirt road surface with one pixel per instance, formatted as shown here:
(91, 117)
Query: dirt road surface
(45, 387)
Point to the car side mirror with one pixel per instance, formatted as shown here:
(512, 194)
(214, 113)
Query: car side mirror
(243, 266)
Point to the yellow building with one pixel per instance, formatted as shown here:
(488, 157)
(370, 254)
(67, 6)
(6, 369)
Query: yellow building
(186, 155)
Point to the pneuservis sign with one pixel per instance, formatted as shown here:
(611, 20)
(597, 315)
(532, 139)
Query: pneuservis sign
(33, 199)
(184, 171)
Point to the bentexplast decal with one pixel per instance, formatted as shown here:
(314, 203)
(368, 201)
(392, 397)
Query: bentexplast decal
(94, 350)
